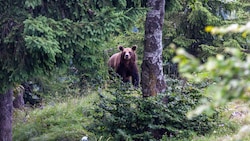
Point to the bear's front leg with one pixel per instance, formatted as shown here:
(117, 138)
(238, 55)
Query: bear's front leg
(135, 79)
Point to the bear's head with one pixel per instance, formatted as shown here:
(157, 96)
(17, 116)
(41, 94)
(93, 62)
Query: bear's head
(128, 54)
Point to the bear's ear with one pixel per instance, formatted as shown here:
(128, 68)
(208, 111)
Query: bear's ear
(120, 48)
(134, 47)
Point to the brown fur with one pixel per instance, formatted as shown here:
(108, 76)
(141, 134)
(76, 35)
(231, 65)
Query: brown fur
(124, 63)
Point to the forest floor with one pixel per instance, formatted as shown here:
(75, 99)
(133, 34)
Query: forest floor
(67, 118)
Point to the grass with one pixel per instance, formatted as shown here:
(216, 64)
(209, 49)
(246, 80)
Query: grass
(234, 116)
(59, 121)
(67, 120)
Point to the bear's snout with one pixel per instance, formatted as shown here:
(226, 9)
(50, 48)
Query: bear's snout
(127, 56)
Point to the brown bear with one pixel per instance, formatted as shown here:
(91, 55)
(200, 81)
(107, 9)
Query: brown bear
(124, 64)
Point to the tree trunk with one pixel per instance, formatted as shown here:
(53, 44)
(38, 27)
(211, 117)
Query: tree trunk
(6, 107)
(152, 78)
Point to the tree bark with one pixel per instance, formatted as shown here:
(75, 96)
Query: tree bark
(152, 78)
(6, 107)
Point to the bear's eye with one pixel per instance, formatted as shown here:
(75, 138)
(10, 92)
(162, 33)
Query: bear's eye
(130, 52)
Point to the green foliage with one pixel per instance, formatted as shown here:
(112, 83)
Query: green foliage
(229, 70)
(39, 36)
(211, 50)
(231, 43)
(182, 41)
(173, 5)
(41, 41)
(58, 86)
(33, 3)
(125, 115)
(230, 75)
(57, 121)
(185, 27)
(201, 16)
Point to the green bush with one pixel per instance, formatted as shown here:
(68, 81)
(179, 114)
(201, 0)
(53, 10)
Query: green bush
(126, 115)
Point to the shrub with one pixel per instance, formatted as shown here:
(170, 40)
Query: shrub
(125, 115)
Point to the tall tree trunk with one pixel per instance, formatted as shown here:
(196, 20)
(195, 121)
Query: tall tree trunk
(6, 107)
(152, 78)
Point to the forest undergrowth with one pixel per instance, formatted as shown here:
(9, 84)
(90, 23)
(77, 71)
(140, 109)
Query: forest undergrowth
(70, 118)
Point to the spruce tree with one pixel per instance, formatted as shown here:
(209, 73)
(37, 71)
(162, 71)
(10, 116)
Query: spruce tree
(185, 27)
(38, 36)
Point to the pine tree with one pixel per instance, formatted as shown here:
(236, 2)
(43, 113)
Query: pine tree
(38, 36)
(185, 27)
